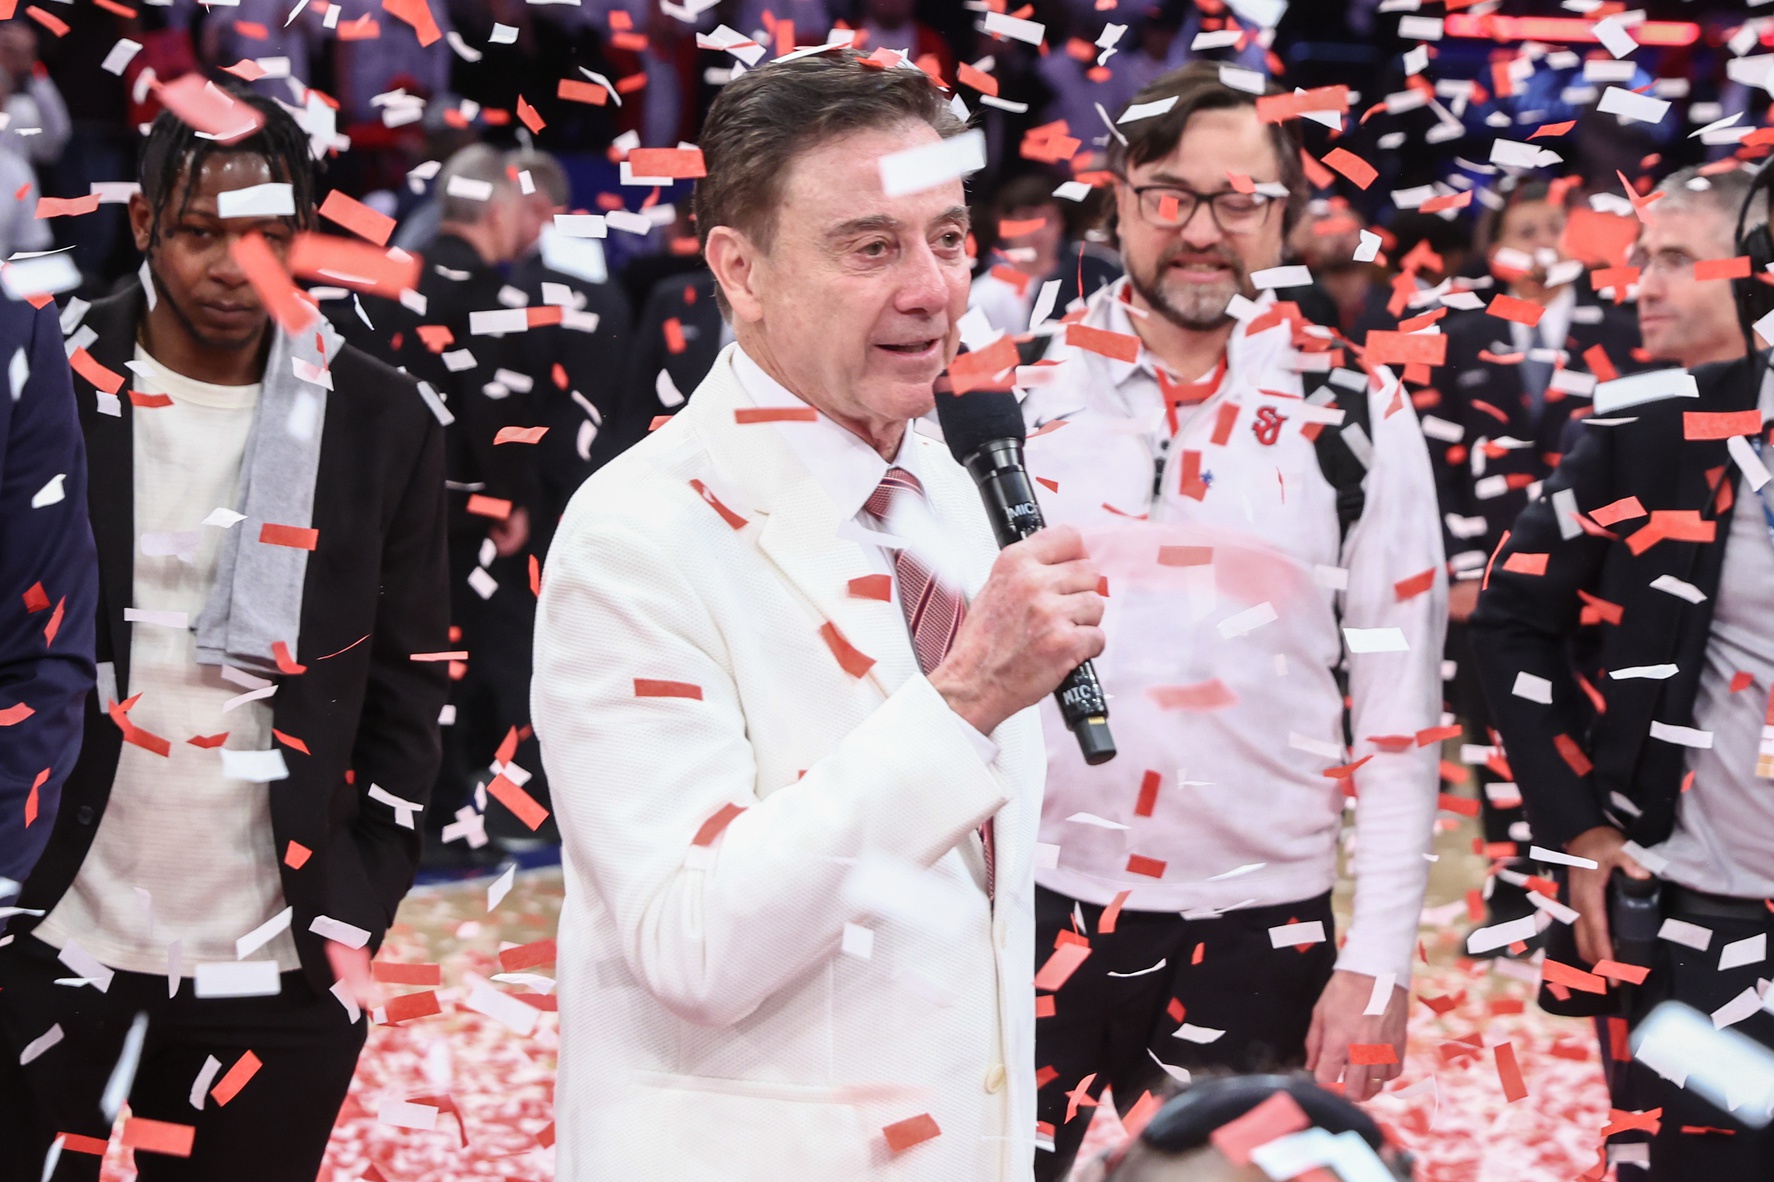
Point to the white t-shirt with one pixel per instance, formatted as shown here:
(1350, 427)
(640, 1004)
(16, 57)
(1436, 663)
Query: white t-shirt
(181, 853)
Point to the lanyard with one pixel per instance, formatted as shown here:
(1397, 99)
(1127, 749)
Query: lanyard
(1177, 394)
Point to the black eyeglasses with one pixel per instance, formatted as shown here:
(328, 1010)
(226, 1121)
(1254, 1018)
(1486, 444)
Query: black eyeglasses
(1172, 207)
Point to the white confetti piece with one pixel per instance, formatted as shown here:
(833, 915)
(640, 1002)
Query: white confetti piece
(1532, 687)
(1142, 972)
(1679, 588)
(85, 965)
(469, 188)
(1501, 935)
(404, 1114)
(1749, 950)
(1631, 106)
(142, 615)
(515, 1015)
(1290, 276)
(338, 931)
(1369, 248)
(1647, 672)
(1540, 853)
(1016, 28)
(1748, 462)
(212, 1067)
(276, 199)
(121, 54)
(1247, 621)
(1689, 935)
(237, 978)
(1376, 640)
(1137, 111)
(1381, 997)
(1297, 935)
(1203, 1035)
(258, 767)
(1611, 32)
(500, 887)
(1093, 819)
(1681, 736)
(929, 165)
(41, 1043)
(1420, 28)
(1738, 1008)
(858, 941)
(51, 493)
(262, 935)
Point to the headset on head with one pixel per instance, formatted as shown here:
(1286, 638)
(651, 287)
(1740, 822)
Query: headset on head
(1755, 298)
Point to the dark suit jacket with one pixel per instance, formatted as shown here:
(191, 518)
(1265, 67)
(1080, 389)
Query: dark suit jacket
(1488, 401)
(1523, 621)
(375, 594)
(591, 363)
(690, 300)
(48, 551)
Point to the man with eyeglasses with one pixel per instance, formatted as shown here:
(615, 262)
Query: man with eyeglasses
(1686, 319)
(1243, 520)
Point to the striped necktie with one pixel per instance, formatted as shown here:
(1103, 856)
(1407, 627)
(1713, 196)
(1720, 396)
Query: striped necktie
(933, 610)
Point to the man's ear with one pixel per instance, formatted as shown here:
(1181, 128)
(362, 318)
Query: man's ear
(141, 220)
(734, 258)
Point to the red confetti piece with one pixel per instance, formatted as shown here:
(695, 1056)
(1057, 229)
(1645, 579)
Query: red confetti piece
(294, 536)
(75, 1143)
(88, 367)
(1714, 424)
(158, 1136)
(677, 163)
(296, 855)
(1275, 1117)
(1060, 966)
(1112, 913)
(1572, 754)
(1185, 555)
(56, 207)
(716, 825)
(731, 518)
(230, 1084)
(208, 742)
(747, 415)
(1741, 681)
(1465, 806)
(575, 91)
(1148, 799)
(1406, 348)
(1572, 978)
(357, 217)
(485, 506)
(1523, 563)
(904, 1134)
(394, 973)
(148, 741)
(1119, 346)
(852, 660)
(1507, 307)
(55, 621)
(1044, 1006)
(519, 435)
(1350, 165)
(522, 805)
(1277, 108)
(409, 1006)
(872, 587)
(1372, 1054)
(36, 599)
(527, 956)
(417, 14)
(14, 714)
(530, 118)
(328, 258)
(1414, 586)
(281, 297)
(1149, 867)
(31, 801)
(1617, 970)
(1551, 129)
(647, 687)
(1737, 268)
(1509, 1073)
(290, 741)
(1625, 509)
(286, 661)
(979, 369)
(1204, 695)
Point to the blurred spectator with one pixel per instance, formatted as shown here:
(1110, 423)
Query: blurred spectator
(812, 19)
(677, 336)
(1150, 48)
(20, 228)
(576, 366)
(1326, 240)
(37, 125)
(889, 24)
(256, 29)
(391, 60)
(101, 144)
(1505, 394)
(1033, 248)
(1425, 249)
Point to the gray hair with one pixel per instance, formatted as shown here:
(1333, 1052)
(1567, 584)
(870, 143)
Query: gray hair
(1721, 193)
(476, 162)
(545, 172)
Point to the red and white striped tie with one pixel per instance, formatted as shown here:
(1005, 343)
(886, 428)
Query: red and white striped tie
(933, 610)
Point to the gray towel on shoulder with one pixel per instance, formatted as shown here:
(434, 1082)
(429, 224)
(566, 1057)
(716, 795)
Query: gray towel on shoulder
(257, 597)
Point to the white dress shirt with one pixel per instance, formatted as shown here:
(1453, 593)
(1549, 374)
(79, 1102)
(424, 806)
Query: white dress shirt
(1229, 603)
(848, 470)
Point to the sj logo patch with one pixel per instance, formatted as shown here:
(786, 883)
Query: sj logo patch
(1267, 427)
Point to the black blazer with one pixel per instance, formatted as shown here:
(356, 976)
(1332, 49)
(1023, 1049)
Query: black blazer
(376, 592)
(1471, 389)
(1523, 621)
(690, 300)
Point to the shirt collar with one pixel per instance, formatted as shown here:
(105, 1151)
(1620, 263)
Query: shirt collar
(846, 469)
(1108, 309)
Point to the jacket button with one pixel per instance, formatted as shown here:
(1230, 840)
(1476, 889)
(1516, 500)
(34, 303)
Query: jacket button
(995, 1078)
(84, 814)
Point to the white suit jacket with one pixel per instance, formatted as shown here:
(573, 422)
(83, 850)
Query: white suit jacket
(712, 1026)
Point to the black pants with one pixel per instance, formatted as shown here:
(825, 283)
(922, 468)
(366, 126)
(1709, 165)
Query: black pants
(1260, 995)
(274, 1130)
(1685, 975)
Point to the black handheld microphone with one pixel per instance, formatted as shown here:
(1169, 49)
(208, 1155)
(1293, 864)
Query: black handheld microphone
(984, 429)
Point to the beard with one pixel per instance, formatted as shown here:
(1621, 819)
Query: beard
(1195, 306)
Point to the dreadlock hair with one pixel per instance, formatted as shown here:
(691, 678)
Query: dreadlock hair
(173, 149)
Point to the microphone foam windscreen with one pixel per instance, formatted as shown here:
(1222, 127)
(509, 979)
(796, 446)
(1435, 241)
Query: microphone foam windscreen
(971, 419)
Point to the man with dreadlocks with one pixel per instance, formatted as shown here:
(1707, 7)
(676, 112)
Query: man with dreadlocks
(269, 512)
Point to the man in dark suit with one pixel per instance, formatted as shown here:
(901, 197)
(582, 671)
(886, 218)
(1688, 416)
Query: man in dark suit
(272, 614)
(51, 583)
(1506, 393)
(1654, 532)
(576, 365)
(676, 340)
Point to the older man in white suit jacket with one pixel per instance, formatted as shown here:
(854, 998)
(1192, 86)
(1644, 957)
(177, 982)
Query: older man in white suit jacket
(798, 818)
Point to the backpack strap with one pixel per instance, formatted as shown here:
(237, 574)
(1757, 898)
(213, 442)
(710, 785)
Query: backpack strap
(1345, 453)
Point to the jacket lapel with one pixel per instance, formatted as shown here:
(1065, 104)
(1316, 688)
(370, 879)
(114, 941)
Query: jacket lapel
(799, 528)
(110, 448)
